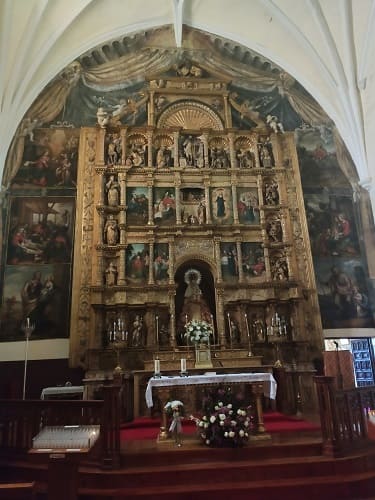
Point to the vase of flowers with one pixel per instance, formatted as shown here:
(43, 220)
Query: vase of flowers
(198, 332)
(227, 420)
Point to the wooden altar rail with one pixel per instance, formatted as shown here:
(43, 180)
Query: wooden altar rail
(22, 420)
(343, 416)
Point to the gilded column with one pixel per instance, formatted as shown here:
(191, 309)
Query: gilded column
(150, 203)
(171, 251)
(207, 200)
(205, 149)
(123, 145)
(122, 180)
(227, 113)
(232, 152)
(220, 317)
(100, 147)
(172, 325)
(149, 147)
(177, 184)
(218, 259)
(99, 269)
(234, 200)
(102, 200)
(151, 109)
(122, 268)
(239, 261)
(176, 136)
(101, 226)
(151, 279)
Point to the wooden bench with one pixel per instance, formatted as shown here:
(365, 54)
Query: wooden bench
(17, 491)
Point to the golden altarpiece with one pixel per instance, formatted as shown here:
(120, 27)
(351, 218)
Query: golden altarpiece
(188, 201)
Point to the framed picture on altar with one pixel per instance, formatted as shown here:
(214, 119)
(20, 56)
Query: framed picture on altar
(248, 205)
(164, 206)
(221, 205)
(137, 263)
(161, 262)
(137, 201)
(229, 261)
(253, 263)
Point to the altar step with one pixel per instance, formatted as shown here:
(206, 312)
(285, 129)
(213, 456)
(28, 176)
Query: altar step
(293, 471)
(274, 471)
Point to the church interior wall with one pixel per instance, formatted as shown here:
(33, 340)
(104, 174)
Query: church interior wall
(40, 221)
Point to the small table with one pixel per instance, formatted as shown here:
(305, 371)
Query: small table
(261, 384)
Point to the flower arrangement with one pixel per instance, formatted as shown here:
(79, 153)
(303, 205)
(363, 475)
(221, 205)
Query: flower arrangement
(227, 420)
(198, 332)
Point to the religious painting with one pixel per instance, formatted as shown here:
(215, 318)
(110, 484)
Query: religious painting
(49, 159)
(41, 230)
(40, 293)
(221, 205)
(161, 262)
(164, 206)
(229, 262)
(317, 158)
(343, 293)
(193, 206)
(253, 264)
(137, 201)
(331, 224)
(248, 205)
(137, 263)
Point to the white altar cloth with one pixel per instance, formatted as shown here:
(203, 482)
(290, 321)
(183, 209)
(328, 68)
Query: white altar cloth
(61, 391)
(269, 383)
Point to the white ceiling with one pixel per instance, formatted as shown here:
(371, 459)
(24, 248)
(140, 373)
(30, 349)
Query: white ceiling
(327, 45)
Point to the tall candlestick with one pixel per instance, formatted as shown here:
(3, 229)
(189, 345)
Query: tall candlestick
(248, 336)
(213, 330)
(230, 331)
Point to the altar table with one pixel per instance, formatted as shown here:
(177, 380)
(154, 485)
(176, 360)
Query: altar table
(261, 383)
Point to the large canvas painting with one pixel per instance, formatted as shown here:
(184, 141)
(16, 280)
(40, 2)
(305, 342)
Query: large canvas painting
(343, 293)
(41, 230)
(193, 206)
(49, 159)
(137, 263)
(40, 293)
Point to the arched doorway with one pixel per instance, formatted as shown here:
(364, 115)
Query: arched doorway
(207, 287)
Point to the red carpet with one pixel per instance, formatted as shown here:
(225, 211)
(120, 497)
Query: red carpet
(275, 423)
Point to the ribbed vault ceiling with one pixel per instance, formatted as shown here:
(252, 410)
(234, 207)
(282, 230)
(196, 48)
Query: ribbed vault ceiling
(326, 45)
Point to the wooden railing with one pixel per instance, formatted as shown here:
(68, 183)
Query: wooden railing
(343, 416)
(21, 421)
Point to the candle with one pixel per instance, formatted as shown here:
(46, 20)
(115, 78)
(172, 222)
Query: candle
(110, 336)
(183, 365)
(123, 335)
(28, 322)
(157, 365)
(157, 330)
(186, 319)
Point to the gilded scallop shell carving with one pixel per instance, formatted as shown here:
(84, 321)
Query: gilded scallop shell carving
(190, 116)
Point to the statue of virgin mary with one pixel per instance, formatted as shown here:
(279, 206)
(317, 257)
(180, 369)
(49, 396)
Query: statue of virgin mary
(195, 306)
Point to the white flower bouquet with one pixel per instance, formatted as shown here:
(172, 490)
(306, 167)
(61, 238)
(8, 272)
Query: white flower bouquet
(198, 332)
